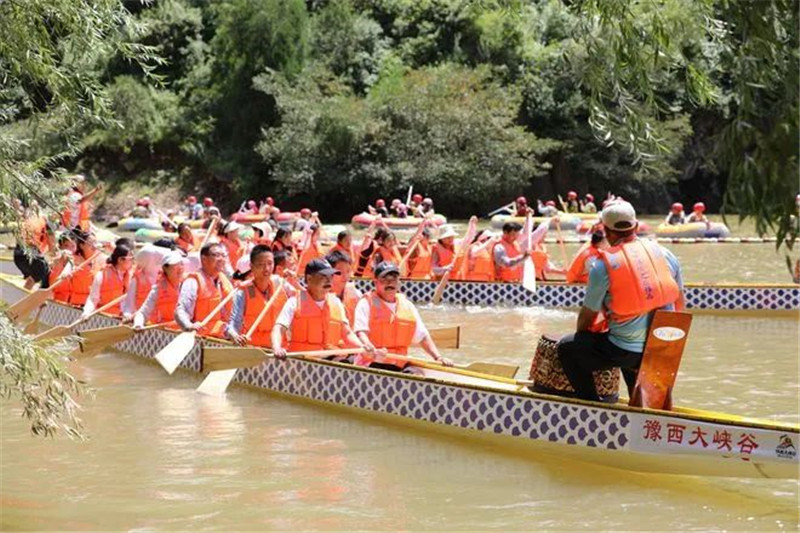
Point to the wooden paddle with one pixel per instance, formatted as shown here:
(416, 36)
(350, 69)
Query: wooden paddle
(209, 231)
(217, 381)
(413, 242)
(462, 250)
(171, 355)
(61, 331)
(93, 341)
(528, 268)
(506, 207)
(447, 338)
(33, 326)
(23, 308)
(662, 357)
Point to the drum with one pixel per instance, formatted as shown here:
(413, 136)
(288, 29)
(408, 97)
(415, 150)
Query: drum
(548, 376)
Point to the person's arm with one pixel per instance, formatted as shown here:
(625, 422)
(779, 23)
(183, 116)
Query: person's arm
(586, 318)
(88, 196)
(596, 291)
(141, 314)
(187, 299)
(282, 325)
(233, 328)
(128, 305)
(501, 258)
(94, 294)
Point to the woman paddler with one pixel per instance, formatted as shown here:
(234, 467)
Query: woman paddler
(420, 262)
(185, 239)
(111, 282)
(77, 213)
(159, 306)
(480, 261)
(82, 278)
(444, 254)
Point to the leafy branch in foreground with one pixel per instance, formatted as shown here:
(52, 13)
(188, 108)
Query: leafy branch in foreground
(35, 374)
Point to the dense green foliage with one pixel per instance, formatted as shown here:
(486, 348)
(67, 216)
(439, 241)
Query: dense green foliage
(343, 100)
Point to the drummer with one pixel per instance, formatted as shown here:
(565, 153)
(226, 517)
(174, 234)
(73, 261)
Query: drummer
(631, 280)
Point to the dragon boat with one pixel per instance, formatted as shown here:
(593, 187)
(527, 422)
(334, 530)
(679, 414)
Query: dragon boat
(504, 412)
(701, 298)
(717, 298)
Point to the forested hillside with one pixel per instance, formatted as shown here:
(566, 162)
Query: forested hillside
(336, 102)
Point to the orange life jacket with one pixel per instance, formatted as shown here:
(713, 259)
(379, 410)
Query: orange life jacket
(509, 274)
(482, 265)
(166, 301)
(186, 246)
(235, 250)
(143, 287)
(540, 261)
(639, 279)
(339, 248)
(579, 268)
(350, 298)
(208, 297)
(254, 302)
(387, 254)
(393, 331)
(84, 221)
(308, 255)
(113, 287)
(422, 262)
(445, 256)
(63, 290)
(315, 328)
(82, 280)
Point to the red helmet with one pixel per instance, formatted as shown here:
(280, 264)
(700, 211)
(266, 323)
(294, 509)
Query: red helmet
(677, 207)
(550, 203)
(192, 199)
(417, 198)
(140, 202)
(699, 206)
(590, 197)
(380, 202)
(270, 201)
(522, 200)
(571, 195)
(305, 211)
(208, 202)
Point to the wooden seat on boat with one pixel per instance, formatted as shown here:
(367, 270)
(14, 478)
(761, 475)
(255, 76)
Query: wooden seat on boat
(663, 350)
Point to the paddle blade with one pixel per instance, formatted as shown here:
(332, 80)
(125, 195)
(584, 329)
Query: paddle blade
(494, 369)
(216, 359)
(447, 338)
(529, 275)
(97, 339)
(662, 357)
(53, 333)
(437, 295)
(23, 308)
(171, 355)
(217, 382)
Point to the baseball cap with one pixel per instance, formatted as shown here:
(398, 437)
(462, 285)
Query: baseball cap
(320, 266)
(233, 226)
(386, 268)
(447, 231)
(171, 259)
(619, 216)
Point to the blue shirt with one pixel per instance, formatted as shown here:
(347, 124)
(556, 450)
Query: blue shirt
(629, 335)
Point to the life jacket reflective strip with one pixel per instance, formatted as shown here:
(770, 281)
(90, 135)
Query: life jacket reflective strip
(482, 265)
(166, 302)
(62, 292)
(422, 263)
(639, 279)
(315, 328)
(235, 250)
(509, 274)
(82, 280)
(113, 287)
(350, 299)
(208, 297)
(143, 287)
(579, 268)
(254, 302)
(393, 331)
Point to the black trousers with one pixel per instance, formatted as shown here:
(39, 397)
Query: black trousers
(584, 352)
(35, 266)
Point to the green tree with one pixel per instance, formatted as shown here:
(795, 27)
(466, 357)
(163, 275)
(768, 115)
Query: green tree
(52, 54)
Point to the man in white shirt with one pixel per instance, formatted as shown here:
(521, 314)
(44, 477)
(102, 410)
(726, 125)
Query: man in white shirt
(385, 318)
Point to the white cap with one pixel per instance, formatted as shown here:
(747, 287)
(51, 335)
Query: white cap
(619, 216)
(265, 228)
(447, 231)
(172, 258)
(233, 226)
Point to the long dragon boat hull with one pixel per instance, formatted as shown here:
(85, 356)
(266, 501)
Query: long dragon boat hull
(701, 298)
(686, 442)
